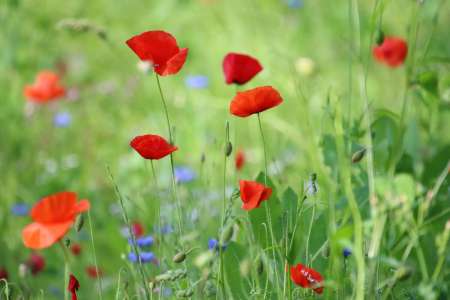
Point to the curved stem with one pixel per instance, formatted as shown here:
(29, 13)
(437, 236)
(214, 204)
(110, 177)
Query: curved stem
(100, 290)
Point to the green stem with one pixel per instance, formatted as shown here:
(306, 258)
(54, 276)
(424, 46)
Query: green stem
(264, 148)
(100, 290)
(66, 269)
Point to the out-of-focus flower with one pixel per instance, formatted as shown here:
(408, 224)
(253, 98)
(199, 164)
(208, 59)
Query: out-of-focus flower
(196, 81)
(184, 174)
(305, 66)
(253, 193)
(73, 286)
(20, 209)
(36, 263)
(45, 88)
(137, 228)
(93, 272)
(254, 101)
(160, 49)
(75, 249)
(166, 229)
(346, 252)
(311, 186)
(145, 241)
(239, 159)
(62, 119)
(294, 3)
(240, 68)
(392, 51)
(3, 273)
(145, 66)
(146, 257)
(152, 146)
(53, 216)
(214, 244)
(307, 278)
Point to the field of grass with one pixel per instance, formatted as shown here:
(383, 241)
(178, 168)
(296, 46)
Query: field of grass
(357, 154)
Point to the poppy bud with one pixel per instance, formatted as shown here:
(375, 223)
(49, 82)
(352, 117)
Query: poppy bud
(379, 37)
(227, 234)
(259, 266)
(358, 155)
(79, 222)
(179, 257)
(228, 148)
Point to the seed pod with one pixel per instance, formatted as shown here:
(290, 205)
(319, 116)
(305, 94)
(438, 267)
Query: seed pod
(379, 37)
(79, 222)
(179, 257)
(227, 234)
(228, 148)
(358, 155)
(259, 266)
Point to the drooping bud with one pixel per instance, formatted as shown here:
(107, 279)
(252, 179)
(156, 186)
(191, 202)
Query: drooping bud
(228, 148)
(358, 155)
(227, 234)
(379, 37)
(79, 222)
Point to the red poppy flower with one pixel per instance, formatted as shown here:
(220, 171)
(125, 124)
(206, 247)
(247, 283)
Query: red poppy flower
(3, 273)
(255, 101)
(93, 272)
(73, 286)
(307, 278)
(75, 249)
(253, 193)
(53, 216)
(45, 88)
(240, 68)
(160, 49)
(239, 159)
(35, 263)
(392, 51)
(152, 146)
(137, 228)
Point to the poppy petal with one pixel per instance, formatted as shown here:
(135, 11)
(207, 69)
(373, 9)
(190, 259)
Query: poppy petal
(152, 146)
(240, 68)
(173, 65)
(55, 208)
(40, 236)
(255, 101)
(392, 51)
(82, 206)
(253, 193)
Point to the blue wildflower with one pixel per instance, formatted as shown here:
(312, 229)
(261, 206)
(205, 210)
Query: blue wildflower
(145, 241)
(20, 209)
(213, 244)
(146, 257)
(196, 81)
(62, 119)
(166, 229)
(346, 252)
(184, 174)
(294, 3)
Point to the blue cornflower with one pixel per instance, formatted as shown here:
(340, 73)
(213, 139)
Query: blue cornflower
(146, 257)
(20, 209)
(62, 119)
(346, 252)
(294, 3)
(196, 81)
(213, 244)
(184, 174)
(145, 241)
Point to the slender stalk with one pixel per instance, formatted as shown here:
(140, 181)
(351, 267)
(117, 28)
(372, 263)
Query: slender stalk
(169, 127)
(264, 148)
(311, 223)
(100, 290)
(66, 269)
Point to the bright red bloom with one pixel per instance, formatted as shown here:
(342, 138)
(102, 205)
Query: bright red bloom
(240, 68)
(75, 249)
(53, 216)
(160, 49)
(307, 278)
(93, 272)
(253, 193)
(137, 228)
(73, 286)
(239, 159)
(3, 273)
(392, 51)
(255, 101)
(45, 88)
(36, 263)
(152, 146)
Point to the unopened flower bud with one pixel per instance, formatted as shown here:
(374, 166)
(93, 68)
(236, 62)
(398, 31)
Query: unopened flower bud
(179, 257)
(358, 155)
(379, 37)
(227, 234)
(228, 148)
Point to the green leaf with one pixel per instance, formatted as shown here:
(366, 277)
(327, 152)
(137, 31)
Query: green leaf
(232, 257)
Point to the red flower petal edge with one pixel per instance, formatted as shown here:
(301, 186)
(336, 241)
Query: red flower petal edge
(392, 51)
(253, 193)
(73, 286)
(307, 278)
(240, 68)
(152, 146)
(255, 101)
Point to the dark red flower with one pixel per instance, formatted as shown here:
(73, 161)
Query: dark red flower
(45, 88)
(3, 273)
(255, 101)
(307, 278)
(152, 146)
(160, 49)
(36, 263)
(240, 68)
(253, 193)
(239, 159)
(392, 51)
(137, 228)
(75, 249)
(73, 286)
(93, 272)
